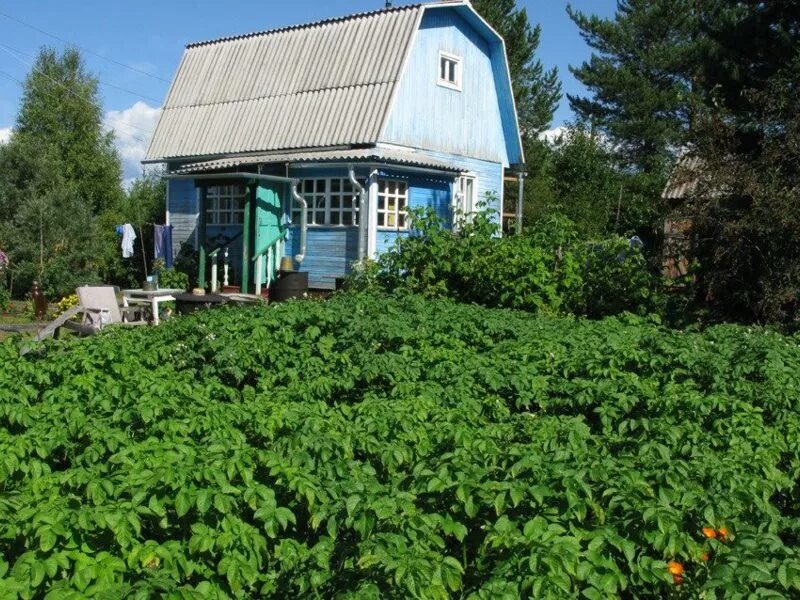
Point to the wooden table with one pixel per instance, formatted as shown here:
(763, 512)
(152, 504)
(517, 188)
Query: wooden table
(151, 297)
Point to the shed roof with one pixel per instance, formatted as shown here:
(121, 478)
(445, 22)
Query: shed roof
(322, 84)
(684, 178)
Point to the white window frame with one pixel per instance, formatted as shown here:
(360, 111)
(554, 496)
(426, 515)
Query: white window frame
(319, 195)
(392, 193)
(466, 203)
(233, 213)
(458, 69)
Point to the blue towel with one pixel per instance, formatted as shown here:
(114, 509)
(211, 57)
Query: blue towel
(162, 243)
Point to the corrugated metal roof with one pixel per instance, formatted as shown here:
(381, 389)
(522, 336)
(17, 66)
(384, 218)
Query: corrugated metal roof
(324, 84)
(684, 179)
(322, 155)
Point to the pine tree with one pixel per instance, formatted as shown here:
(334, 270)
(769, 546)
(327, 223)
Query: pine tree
(537, 92)
(642, 77)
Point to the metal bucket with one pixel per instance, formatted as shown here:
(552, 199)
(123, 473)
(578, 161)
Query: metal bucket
(287, 263)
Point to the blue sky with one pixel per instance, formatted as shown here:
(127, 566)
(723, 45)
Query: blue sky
(149, 35)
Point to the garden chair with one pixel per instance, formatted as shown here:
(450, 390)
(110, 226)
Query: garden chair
(99, 307)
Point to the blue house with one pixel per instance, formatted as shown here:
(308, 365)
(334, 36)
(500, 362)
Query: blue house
(312, 141)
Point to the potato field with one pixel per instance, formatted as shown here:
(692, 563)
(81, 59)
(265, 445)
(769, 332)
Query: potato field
(397, 447)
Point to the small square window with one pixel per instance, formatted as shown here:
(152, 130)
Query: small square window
(450, 71)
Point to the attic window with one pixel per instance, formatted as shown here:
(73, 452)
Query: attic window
(450, 71)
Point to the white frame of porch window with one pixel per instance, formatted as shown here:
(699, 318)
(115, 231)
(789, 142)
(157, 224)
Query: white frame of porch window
(232, 193)
(396, 212)
(458, 71)
(326, 195)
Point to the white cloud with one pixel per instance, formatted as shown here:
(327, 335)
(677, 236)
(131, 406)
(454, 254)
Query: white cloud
(5, 134)
(551, 136)
(132, 128)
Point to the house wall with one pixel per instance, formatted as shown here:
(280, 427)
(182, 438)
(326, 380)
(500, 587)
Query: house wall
(432, 117)
(436, 191)
(182, 212)
(330, 250)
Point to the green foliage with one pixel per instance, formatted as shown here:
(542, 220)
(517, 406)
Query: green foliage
(57, 172)
(549, 269)
(745, 206)
(170, 278)
(400, 448)
(61, 111)
(536, 92)
(642, 77)
(186, 262)
(580, 177)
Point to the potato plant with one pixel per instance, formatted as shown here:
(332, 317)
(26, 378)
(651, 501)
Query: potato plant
(371, 447)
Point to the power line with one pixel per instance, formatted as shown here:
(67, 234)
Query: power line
(71, 93)
(10, 76)
(104, 83)
(63, 41)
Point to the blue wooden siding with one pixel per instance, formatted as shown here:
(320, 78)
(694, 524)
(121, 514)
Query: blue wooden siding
(428, 116)
(182, 212)
(423, 191)
(488, 173)
(329, 253)
(330, 250)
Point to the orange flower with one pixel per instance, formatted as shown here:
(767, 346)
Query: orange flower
(675, 568)
(723, 534)
(705, 556)
(677, 579)
(709, 532)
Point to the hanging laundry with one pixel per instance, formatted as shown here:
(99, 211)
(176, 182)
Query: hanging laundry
(162, 243)
(128, 237)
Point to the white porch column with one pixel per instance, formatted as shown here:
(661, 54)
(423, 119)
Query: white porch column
(372, 215)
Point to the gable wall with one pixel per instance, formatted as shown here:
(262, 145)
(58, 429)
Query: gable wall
(428, 116)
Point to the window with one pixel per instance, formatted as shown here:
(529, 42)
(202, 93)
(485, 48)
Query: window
(466, 195)
(392, 204)
(450, 71)
(225, 205)
(342, 202)
(330, 202)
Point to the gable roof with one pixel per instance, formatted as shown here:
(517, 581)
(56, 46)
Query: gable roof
(329, 83)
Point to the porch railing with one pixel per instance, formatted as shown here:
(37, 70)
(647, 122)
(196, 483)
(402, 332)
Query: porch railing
(268, 256)
(214, 256)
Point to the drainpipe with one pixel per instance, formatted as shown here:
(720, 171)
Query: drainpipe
(303, 222)
(362, 214)
(259, 177)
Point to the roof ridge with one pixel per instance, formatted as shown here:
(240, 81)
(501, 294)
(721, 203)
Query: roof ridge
(301, 26)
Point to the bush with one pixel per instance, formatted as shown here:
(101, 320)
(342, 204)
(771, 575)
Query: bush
(170, 278)
(547, 270)
(401, 448)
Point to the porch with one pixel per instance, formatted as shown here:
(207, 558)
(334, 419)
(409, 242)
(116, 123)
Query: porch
(325, 209)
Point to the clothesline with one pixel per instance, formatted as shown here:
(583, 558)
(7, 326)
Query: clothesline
(162, 242)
